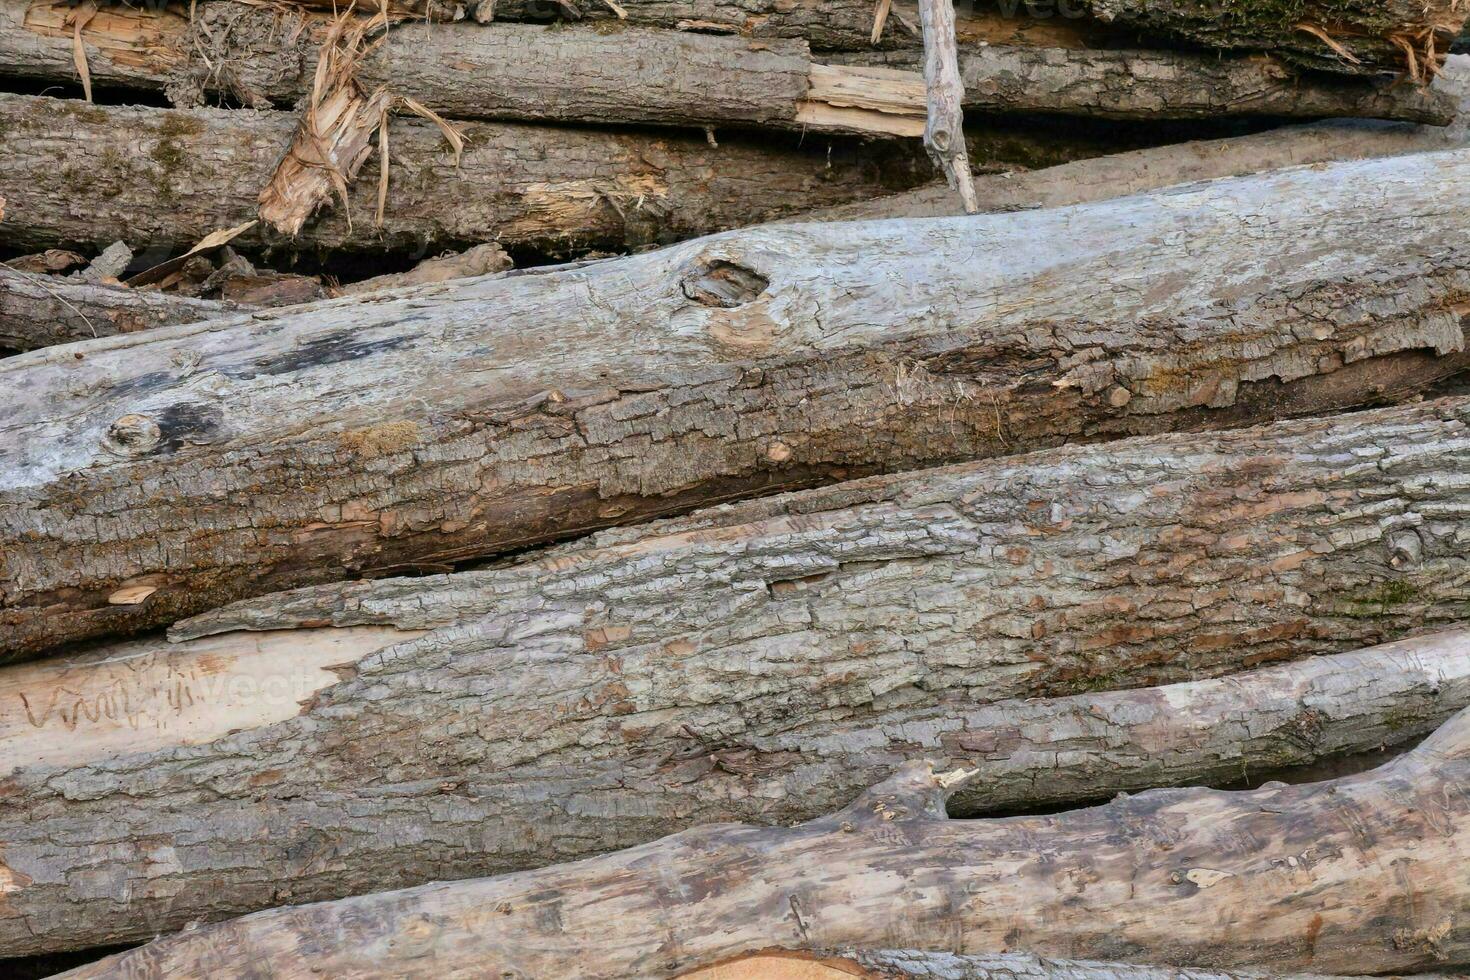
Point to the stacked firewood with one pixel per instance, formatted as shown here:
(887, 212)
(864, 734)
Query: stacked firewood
(520, 489)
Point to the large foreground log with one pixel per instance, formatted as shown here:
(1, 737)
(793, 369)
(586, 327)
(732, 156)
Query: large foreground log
(77, 173)
(168, 472)
(759, 662)
(261, 55)
(1362, 874)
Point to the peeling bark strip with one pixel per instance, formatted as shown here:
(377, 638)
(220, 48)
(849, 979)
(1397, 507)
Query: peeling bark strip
(1139, 171)
(1361, 874)
(238, 457)
(634, 75)
(1358, 36)
(763, 662)
(40, 310)
(82, 173)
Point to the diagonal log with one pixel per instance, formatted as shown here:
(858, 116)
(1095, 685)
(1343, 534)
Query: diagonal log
(1362, 874)
(169, 472)
(760, 662)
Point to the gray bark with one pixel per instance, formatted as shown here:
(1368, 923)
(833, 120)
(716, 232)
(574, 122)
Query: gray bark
(1140, 171)
(237, 457)
(641, 75)
(1362, 874)
(757, 662)
(81, 173)
(38, 310)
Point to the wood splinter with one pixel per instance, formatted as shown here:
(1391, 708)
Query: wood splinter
(944, 133)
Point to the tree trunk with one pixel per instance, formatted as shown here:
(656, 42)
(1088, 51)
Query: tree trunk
(759, 662)
(640, 75)
(166, 178)
(167, 473)
(1362, 874)
(1359, 36)
(1139, 171)
(40, 310)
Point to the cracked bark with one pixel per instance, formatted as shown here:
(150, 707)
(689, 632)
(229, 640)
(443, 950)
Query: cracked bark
(79, 173)
(39, 310)
(759, 662)
(1359, 874)
(638, 75)
(172, 471)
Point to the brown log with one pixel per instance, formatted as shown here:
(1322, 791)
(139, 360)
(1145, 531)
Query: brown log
(759, 662)
(38, 310)
(1149, 169)
(1357, 36)
(81, 173)
(1362, 874)
(260, 55)
(234, 458)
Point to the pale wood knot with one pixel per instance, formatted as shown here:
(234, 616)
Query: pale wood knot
(133, 434)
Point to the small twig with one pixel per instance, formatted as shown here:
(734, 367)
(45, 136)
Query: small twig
(56, 296)
(944, 133)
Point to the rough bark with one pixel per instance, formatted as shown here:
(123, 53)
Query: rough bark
(1361, 874)
(896, 964)
(260, 55)
(1359, 36)
(166, 178)
(758, 662)
(1140, 171)
(241, 456)
(38, 310)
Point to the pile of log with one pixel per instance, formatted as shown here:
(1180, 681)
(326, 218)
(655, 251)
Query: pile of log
(687, 488)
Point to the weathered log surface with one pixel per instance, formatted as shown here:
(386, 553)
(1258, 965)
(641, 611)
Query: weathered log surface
(92, 174)
(174, 471)
(1357, 36)
(895, 964)
(40, 310)
(1362, 874)
(639, 75)
(757, 662)
(1139, 171)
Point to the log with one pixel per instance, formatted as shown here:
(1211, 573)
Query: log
(260, 56)
(173, 471)
(78, 173)
(1139, 171)
(1361, 874)
(39, 310)
(896, 964)
(1355, 36)
(759, 662)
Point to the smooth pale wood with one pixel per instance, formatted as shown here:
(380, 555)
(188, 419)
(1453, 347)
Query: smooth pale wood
(450, 422)
(167, 178)
(260, 55)
(765, 661)
(1361, 874)
(135, 698)
(1140, 171)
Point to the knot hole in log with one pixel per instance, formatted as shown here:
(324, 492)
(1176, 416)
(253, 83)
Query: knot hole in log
(132, 435)
(725, 285)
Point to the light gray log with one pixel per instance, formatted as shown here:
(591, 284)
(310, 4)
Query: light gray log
(173, 471)
(759, 662)
(39, 310)
(1361, 874)
(1139, 171)
(81, 173)
(259, 55)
